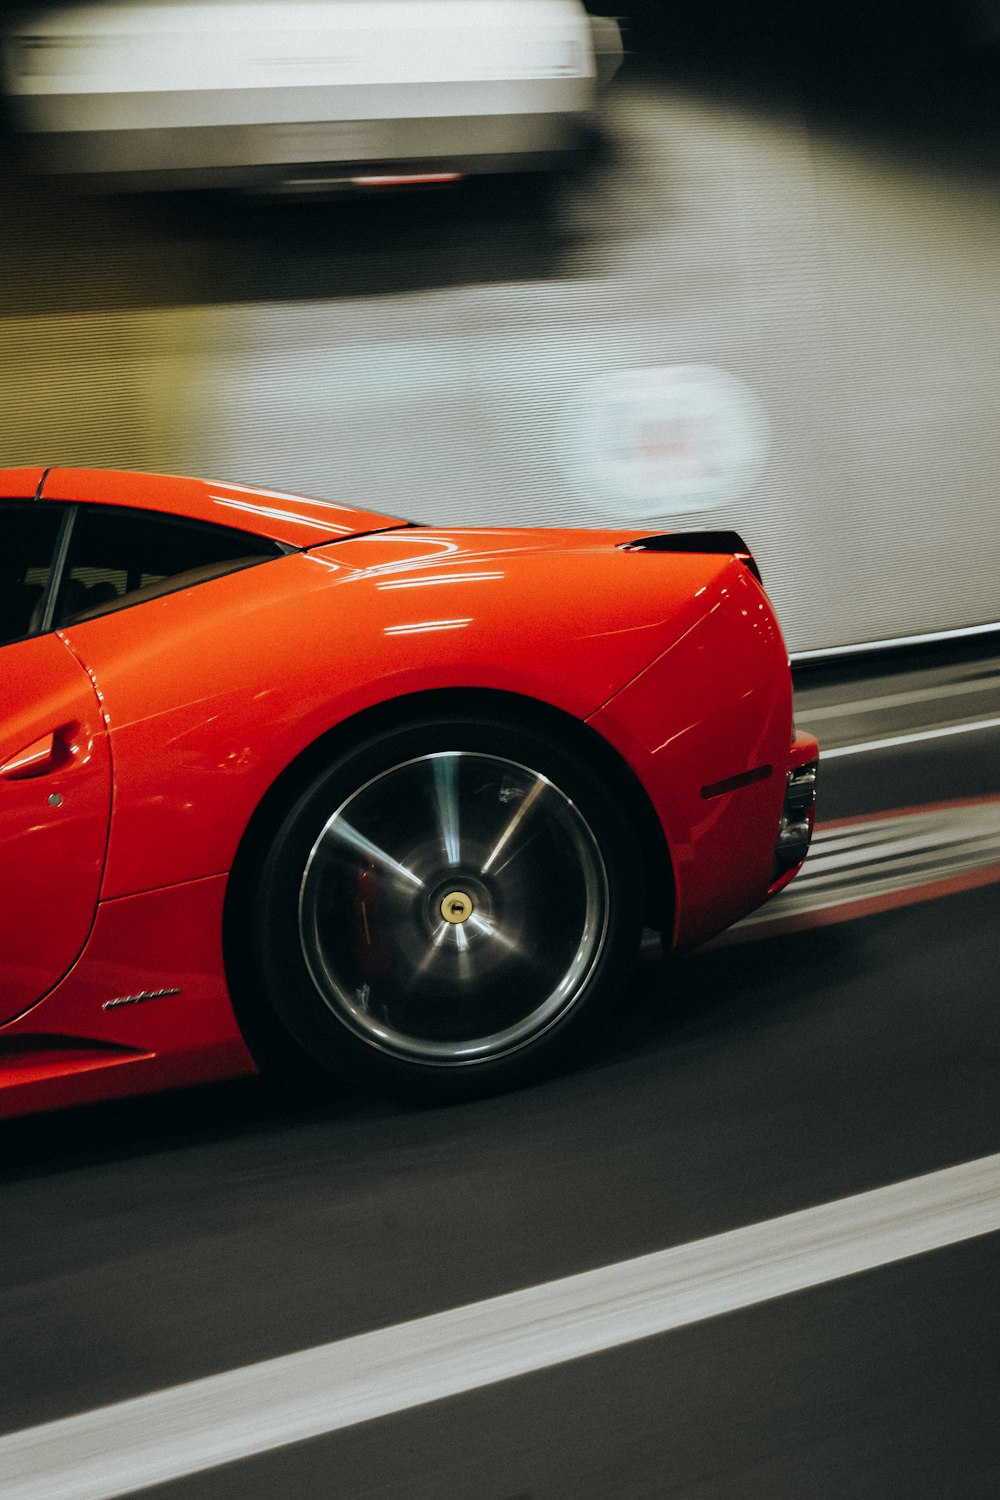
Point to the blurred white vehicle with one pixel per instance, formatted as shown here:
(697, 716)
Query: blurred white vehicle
(306, 94)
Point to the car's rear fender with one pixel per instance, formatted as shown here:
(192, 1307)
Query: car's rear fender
(464, 704)
(214, 691)
(707, 729)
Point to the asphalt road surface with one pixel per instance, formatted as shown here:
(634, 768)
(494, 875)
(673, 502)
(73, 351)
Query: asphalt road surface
(157, 1242)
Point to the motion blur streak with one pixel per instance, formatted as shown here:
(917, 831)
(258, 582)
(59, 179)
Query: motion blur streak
(894, 859)
(923, 638)
(393, 92)
(934, 694)
(891, 741)
(153, 1439)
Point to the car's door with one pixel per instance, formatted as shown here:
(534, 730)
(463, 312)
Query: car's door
(55, 773)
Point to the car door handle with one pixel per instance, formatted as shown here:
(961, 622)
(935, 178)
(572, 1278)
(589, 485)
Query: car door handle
(35, 759)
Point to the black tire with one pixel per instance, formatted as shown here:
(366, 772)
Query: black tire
(449, 910)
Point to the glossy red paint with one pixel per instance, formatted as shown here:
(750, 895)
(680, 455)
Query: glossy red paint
(716, 703)
(294, 647)
(20, 484)
(200, 700)
(72, 1050)
(54, 823)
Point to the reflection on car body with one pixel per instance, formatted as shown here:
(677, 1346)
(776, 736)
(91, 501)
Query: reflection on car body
(288, 783)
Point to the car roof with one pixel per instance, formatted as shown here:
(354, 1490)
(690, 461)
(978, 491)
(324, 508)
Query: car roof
(20, 484)
(294, 520)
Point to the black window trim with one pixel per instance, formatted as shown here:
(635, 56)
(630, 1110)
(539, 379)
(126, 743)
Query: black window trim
(59, 556)
(61, 549)
(64, 542)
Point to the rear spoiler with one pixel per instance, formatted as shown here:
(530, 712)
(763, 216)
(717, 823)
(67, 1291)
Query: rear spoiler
(697, 541)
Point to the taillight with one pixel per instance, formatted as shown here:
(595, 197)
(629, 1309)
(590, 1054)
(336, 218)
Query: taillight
(798, 815)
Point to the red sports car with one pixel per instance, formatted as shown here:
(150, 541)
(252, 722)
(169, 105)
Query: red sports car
(285, 781)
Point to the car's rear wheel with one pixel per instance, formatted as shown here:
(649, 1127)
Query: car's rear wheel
(448, 909)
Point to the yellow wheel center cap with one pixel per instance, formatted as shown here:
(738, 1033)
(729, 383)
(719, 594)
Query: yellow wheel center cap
(456, 907)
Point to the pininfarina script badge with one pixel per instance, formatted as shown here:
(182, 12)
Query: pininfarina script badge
(137, 999)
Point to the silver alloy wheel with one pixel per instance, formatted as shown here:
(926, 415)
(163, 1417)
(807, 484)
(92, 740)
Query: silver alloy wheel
(453, 908)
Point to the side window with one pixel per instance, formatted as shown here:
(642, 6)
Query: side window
(28, 535)
(119, 557)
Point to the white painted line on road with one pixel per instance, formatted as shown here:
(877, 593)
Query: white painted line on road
(910, 739)
(164, 1436)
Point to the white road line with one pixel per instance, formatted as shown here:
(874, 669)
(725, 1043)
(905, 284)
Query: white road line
(909, 739)
(153, 1439)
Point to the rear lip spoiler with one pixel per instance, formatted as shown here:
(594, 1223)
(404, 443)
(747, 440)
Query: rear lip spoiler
(722, 542)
